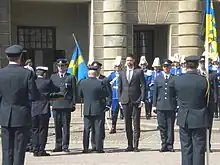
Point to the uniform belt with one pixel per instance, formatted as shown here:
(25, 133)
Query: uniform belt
(59, 98)
(115, 87)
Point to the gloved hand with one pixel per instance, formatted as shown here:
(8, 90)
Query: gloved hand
(154, 109)
(73, 108)
(107, 108)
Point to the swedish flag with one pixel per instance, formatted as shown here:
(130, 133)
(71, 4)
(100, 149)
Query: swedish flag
(209, 32)
(77, 66)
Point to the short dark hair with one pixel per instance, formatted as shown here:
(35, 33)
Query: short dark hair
(13, 59)
(192, 65)
(130, 55)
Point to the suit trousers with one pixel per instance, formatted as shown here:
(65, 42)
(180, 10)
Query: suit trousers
(166, 120)
(62, 120)
(131, 111)
(193, 145)
(93, 141)
(40, 125)
(95, 122)
(14, 142)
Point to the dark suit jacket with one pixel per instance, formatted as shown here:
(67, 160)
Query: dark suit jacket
(68, 91)
(15, 85)
(191, 91)
(93, 92)
(135, 90)
(164, 97)
(42, 106)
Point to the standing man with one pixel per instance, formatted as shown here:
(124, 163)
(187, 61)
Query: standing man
(15, 112)
(40, 112)
(93, 92)
(131, 91)
(164, 103)
(192, 92)
(64, 105)
(113, 79)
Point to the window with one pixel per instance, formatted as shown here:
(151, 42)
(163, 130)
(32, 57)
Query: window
(143, 44)
(36, 37)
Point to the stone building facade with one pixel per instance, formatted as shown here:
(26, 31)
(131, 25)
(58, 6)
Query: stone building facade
(112, 24)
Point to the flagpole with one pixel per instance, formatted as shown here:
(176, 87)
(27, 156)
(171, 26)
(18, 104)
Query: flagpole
(74, 37)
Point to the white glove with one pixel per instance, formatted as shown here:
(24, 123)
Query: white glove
(141, 104)
(154, 108)
(120, 105)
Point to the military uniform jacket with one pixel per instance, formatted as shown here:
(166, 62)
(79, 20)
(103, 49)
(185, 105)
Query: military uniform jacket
(67, 86)
(93, 92)
(191, 90)
(15, 85)
(133, 91)
(164, 97)
(42, 106)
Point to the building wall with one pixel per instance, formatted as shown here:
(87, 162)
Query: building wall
(67, 18)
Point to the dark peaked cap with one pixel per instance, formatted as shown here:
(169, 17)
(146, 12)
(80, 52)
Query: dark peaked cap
(14, 50)
(97, 63)
(167, 62)
(93, 68)
(192, 58)
(62, 61)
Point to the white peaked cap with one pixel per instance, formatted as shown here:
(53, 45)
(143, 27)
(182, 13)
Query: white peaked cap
(182, 60)
(117, 61)
(143, 60)
(176, 57)
(156, 62)
(42, 68)
(172, 59)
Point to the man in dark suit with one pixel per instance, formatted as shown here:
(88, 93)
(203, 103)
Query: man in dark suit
(131, 88)
(15, 112)
(63, 105)
(192, 92)
(164, 102)
(40, 112)
(93, 92)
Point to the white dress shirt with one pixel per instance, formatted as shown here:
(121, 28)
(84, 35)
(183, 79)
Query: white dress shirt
(62, 74)
(129, 76)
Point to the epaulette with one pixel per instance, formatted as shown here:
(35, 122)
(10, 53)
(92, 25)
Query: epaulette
(149, 72)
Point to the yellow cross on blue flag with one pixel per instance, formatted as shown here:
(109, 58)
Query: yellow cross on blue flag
(209, 32)
(77, 66)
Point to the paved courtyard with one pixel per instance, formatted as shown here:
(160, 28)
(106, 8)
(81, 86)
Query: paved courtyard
(114, 146)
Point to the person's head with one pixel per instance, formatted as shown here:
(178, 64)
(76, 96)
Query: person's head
(192, 62)
(118, 67)
(176, 63)
(202, 62)
(130, 61)
(29, 62)
(14, 53)
(98, 65)
(92, 71)
(143, 62)
(167, 66)
(41, 71)
(62, 65)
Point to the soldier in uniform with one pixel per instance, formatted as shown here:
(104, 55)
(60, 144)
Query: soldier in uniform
(15, 112)
(176, 69)
(40, 112)
(113, 79)
(99, 66)
(164, 103)
(93, 93)
(148, 97)
(192, 99)
(64, 105)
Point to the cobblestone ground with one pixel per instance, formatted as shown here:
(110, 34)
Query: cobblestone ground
(115, 145)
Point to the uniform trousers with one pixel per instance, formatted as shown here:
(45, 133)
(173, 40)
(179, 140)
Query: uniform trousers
(132, 111)
(14, 142)
(40, 132)
(166, 120)
(62, 119)
(95, 122)
(114, 111)
(193, 145)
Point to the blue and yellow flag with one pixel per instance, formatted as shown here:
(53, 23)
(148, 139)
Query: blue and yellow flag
(209, 32)
(77, 66)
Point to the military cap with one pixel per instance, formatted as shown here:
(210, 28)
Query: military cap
(44, 68)
(167, 62)
(192, 58)
(14, 50)
(62, 61)
(93, 67)
(97, 64)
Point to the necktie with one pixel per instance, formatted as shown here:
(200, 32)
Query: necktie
(167, 77)
(129, 76)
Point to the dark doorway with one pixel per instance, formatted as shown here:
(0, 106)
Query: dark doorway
(150, 41)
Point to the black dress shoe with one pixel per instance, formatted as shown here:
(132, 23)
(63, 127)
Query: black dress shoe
(171, 150)
(85, 151)
(93, 149)
(129, 149)
(35, 154)
(57, 150)
(101, 151)
(44, 153)
(163, 149)
(112, 131)
(136, 150)
(66, 150)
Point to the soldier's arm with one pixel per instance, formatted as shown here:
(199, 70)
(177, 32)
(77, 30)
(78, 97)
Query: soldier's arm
(119, 87)
(215, 88)
(155, 93)
(55, 93)
(143, 86)
(74, 90)
(80, 91)
(32, 87)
